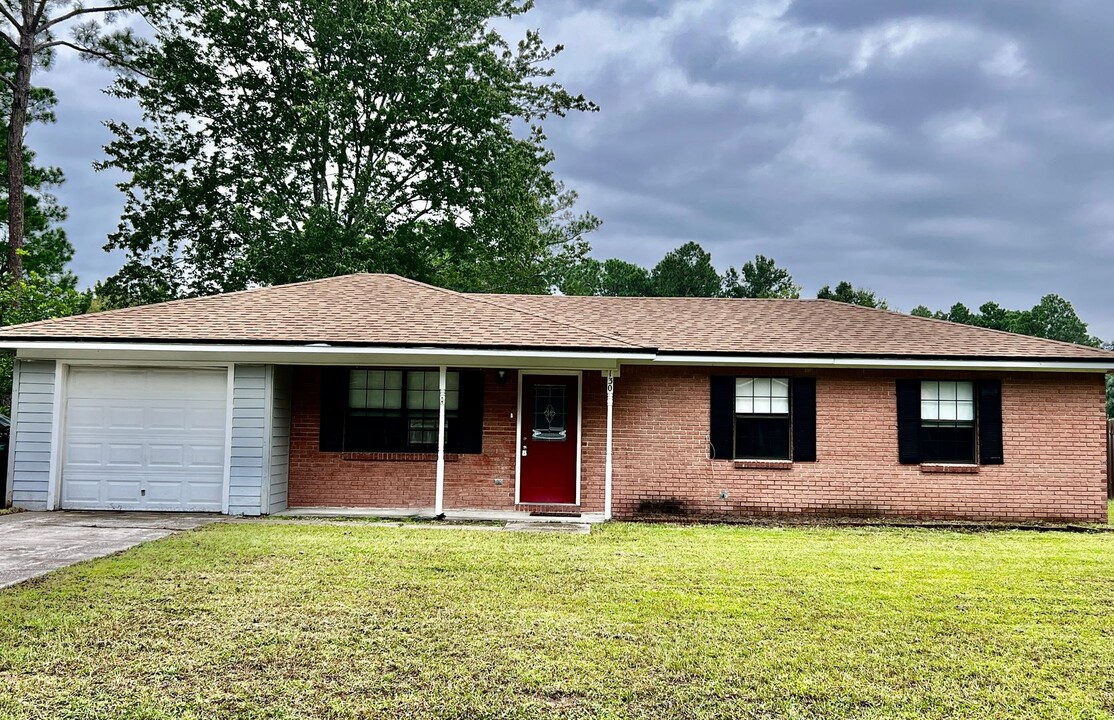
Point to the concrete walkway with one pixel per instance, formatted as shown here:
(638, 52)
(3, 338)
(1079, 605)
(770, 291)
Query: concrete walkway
(35, 543)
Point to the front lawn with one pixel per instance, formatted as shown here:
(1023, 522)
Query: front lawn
(349, 621)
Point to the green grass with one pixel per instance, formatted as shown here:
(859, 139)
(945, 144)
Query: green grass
(632, 621)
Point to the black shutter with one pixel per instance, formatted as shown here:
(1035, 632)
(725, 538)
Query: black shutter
(467, 434)
(909, 421)
(804, 419)
(990, 422)
(722, 433)
(334, 408)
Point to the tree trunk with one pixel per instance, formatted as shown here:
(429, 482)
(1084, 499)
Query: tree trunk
(17, 121)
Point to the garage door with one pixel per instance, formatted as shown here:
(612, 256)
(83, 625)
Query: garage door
(144, 439)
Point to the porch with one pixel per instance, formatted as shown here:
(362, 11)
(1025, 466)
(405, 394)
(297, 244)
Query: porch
(462, 443)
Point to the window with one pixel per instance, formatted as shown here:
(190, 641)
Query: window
(397, 410)
(550, 413)
(762, 425)
(948, 421)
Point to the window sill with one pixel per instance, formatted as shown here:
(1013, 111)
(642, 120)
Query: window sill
(951, 468)
(763, 464)
(395, 457)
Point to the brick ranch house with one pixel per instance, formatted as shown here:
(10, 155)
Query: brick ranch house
(373, 391)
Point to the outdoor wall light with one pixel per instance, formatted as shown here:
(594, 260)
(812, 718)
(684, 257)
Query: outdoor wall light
(501, 376)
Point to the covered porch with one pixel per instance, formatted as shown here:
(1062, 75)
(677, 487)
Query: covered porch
(453, 441)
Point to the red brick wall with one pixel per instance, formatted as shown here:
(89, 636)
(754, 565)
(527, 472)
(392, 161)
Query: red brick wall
(1053, 441)
(407, 481)
(1053, 433)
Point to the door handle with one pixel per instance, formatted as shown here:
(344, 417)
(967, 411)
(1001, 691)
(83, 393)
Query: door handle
(523, 451)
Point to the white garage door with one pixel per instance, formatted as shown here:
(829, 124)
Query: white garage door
(144, 439)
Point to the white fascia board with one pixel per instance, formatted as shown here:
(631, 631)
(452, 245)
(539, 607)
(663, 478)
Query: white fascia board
(883, 363)
(319, 355)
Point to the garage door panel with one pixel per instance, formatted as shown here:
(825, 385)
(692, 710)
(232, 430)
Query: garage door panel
(84, 453)
(123, 417)
(121, 455)
(84, 416)
(145, 438)
(206, 456)
(207, 420)
(167, 456)
(162, 419)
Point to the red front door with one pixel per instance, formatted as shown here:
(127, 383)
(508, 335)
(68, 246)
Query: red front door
(549, 448)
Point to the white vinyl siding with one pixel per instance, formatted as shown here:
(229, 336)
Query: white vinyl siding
(249, 401)
(280, 439)
(32, 433)
(260, 440)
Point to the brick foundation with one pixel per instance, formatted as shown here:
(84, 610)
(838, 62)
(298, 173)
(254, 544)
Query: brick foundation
(1053, 426)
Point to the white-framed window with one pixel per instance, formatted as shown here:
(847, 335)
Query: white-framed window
(948, 412)
(397, 410)
(762, 422)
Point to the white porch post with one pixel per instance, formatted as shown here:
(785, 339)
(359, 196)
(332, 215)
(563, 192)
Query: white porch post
(439, 492)
(607, 457)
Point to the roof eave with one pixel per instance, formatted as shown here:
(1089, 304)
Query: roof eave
(323, 354)
(892, 362)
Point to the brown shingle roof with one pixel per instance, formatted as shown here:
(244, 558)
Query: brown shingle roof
(388, 310)
(793, 327)
(361, 309)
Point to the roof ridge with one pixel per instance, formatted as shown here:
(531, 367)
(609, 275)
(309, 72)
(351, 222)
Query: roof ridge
(952, 323)
(652, 297)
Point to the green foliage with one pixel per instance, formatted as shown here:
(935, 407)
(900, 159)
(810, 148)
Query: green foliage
(686, 272)
(47, 288)
(35, 297)
(845, 292)
(1053, 318)
(285, 142)
(46, 250)
(612, 277)
(1110, 394)
(760, 278)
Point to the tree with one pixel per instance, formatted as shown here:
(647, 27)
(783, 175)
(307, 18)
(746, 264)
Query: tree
(285, 142)
(686, 272)
(1110, 387)
(845, 292)
(624, 279)
(612, 277)
(45, 249)
(46, 288)
(760, 278)
(31, 38)
(1055, 318)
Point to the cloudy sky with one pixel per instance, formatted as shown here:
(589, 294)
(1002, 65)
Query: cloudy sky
(953, 150)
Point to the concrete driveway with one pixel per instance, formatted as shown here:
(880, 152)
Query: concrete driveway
(35, 543)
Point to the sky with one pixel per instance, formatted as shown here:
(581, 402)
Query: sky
(935, 152)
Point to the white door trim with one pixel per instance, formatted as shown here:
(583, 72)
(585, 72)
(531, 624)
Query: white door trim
(579, 374)
(13, 428)
(57, 425)
(229, 402)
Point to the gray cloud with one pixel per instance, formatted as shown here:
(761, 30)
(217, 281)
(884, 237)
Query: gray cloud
(954, 150)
